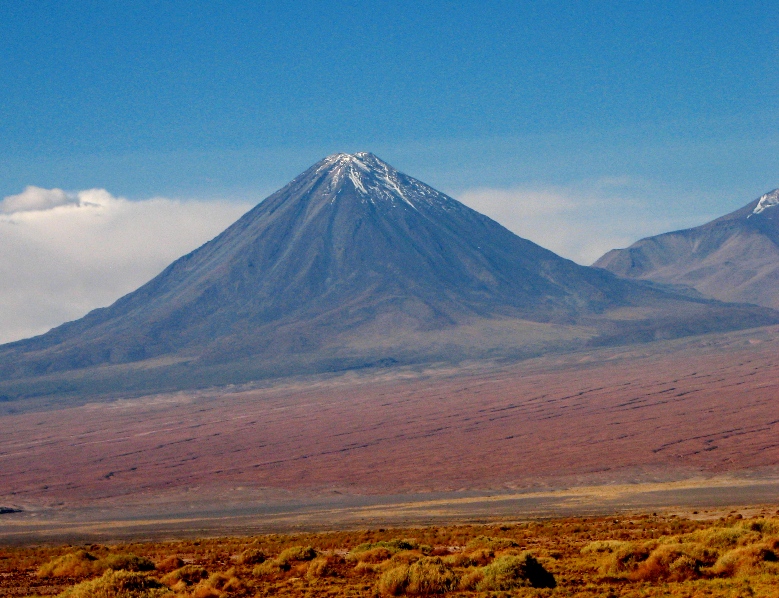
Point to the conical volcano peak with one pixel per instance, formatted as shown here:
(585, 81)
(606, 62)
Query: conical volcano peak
(352, 264)
(769, 200)
(358, 164)
(365, 159)
(375, 181)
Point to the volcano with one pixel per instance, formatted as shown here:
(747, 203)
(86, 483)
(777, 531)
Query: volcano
(732, 258)
(351, 265)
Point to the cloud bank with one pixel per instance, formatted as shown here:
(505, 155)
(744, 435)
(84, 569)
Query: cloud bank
(34, 199)
(580, 222)
(63, 254)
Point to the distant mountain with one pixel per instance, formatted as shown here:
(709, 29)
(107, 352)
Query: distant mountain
(733, 258)
(351, 265)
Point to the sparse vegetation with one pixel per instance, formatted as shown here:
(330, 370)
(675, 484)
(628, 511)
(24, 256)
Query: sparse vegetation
(118, 584)
(508, 572)
(634, 556)
(82, 563)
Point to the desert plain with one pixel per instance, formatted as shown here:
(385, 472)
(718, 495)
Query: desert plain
(683, 423)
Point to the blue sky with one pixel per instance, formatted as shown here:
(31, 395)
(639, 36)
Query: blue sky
(219, 98)
(582, 125)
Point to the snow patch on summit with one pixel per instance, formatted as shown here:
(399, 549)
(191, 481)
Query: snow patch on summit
(372, 178)
(769, 200)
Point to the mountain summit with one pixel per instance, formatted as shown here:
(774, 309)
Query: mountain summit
(352, 264)
(732, 258)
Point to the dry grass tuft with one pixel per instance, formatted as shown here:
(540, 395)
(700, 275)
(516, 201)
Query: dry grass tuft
(118, 584)
(251, 556)
(675, 562)
(620, 558)
(374, 552)
(428, 575)
(509, 571)
(169, 564)
(126, 562)
(472, 559)
(372, 555)
(285, 561)
(745, 560)
(185, 576)
(218, 584)
(75, 564)
(393, 582)
(405, 557)
(324, 566)
(296, 554)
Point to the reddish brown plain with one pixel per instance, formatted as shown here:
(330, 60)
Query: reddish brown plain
(662, 411)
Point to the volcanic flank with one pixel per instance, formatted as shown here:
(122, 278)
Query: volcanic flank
(352, 264)
(732, 258)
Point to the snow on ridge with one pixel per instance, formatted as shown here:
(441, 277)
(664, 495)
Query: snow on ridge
(769, 200)
(378, 182)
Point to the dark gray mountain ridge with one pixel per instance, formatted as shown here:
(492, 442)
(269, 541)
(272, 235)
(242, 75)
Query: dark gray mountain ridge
(352, 264)
(732, 258)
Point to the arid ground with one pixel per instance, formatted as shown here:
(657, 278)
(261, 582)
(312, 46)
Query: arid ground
(722, 553)
(700, 413)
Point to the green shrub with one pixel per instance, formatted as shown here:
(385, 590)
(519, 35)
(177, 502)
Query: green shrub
(118, 584)
(509, 571)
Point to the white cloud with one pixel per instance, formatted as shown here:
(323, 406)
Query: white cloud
(35, 199)
(63, 254)
(580, 222)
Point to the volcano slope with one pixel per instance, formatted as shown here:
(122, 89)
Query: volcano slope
(732, 258)
(351, 265)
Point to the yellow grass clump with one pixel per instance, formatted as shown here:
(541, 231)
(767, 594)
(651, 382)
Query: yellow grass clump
(74, 564)
(119, 584)
(251, 556)
(428, 575)
(185, 576)
(82, 563)
(508, 572)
